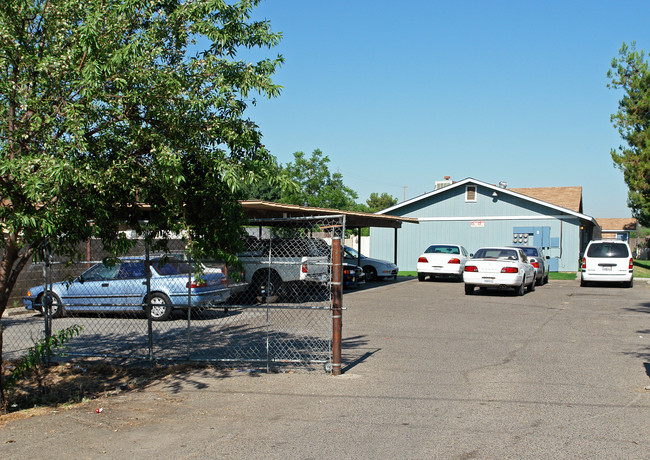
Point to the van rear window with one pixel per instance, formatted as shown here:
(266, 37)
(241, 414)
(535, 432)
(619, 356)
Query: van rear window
(607, 250)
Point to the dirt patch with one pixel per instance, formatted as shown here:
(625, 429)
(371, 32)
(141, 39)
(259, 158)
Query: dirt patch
(63, 385)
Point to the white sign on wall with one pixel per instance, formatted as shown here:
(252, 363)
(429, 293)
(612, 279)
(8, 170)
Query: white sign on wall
(477, 224)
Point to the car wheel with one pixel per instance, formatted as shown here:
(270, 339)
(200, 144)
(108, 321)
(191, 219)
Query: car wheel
(421, 276)
(371, 273)
(266, 285)
(583, 283)
(469, 289)
(539, 281)
(521, 290)
(161, 307)
(531, 287)
(630, 283)
(56, 309)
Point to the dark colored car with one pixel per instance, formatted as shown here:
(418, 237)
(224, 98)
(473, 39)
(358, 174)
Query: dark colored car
(353, 276)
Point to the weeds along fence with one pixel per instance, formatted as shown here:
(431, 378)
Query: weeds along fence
(273, 311)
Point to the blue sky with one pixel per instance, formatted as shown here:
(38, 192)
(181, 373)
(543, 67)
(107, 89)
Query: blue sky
(400, 94)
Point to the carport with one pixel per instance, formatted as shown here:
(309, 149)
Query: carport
(265, 210)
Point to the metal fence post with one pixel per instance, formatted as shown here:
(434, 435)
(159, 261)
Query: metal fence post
(189, 304)
(337, 304)
(147, 274)
(47, 325)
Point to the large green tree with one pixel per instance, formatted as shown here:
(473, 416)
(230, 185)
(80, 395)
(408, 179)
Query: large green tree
(378, 202)
(631, 73)
(315, 185)
(109, 104)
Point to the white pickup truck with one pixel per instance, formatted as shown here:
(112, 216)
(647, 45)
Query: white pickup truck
(499, 267)
(273, 266)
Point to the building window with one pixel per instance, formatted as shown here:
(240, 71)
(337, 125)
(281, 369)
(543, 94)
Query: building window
(470, 193)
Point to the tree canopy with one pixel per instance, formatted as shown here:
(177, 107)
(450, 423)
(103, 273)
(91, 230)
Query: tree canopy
(113, 104)
(315, 184)
(631, 73)
(378, 202)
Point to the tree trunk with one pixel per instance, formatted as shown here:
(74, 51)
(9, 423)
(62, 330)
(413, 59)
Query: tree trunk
(3, 402)
(11, 265)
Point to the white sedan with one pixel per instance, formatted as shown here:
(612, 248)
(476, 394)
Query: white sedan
(499, 267)
(442, 260)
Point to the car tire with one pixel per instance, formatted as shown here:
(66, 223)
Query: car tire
(521, 290)
(532, 285)
(371, 273)
(160, 307)
(469, 289)
(57, 310)
(421, 276)
(583, 283)
(630, 283)
(266, 285)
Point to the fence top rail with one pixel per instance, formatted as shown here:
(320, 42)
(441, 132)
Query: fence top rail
(285, 220)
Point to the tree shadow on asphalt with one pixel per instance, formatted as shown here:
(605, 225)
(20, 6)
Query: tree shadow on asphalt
(640, 308)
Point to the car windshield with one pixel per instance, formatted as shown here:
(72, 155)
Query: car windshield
(101, 272)
(607, 250)
(442, 249)
(351, 253)
(496, 253)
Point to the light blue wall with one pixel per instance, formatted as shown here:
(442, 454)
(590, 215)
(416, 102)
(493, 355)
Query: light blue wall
(488, 221)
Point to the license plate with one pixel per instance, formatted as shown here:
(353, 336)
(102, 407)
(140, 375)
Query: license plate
(607, 269)
(488, 280)
(437, 268)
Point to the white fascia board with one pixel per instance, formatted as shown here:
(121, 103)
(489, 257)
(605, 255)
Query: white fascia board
(476, 218)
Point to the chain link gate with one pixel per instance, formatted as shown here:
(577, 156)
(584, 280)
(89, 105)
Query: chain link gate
(275, 310)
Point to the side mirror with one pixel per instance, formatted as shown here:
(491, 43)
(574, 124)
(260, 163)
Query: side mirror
(548, 257)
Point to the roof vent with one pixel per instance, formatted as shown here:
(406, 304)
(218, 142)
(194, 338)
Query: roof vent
(503, 184)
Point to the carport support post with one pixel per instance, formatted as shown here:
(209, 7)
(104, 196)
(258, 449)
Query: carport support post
(337, 304)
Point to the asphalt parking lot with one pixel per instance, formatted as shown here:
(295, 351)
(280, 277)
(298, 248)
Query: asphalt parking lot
(428, 373)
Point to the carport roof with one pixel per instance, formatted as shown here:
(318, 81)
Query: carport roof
(269, 210)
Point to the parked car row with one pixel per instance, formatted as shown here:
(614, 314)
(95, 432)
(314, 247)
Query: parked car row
(121, 286)
(523, 267)
(517, 267)
(271, 268)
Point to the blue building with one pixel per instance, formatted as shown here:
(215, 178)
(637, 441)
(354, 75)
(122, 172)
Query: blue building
(475, 214)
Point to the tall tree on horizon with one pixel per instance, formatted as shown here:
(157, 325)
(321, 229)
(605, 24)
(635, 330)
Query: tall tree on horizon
(631, 73)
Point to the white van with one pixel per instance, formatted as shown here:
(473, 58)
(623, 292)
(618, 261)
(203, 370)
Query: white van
(608, 261)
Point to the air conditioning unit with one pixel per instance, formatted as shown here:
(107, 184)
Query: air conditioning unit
(442, 183)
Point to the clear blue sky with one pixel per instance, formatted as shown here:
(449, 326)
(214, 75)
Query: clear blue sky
(401, 94)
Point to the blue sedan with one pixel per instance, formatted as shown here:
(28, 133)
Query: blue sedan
(122, 287)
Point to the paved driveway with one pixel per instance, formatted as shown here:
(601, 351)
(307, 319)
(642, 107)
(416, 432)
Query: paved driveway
(429, 373)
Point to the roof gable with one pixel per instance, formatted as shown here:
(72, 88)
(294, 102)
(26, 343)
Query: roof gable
(565, 199)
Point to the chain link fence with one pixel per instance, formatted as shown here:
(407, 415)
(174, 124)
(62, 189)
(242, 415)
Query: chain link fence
(273, 311)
